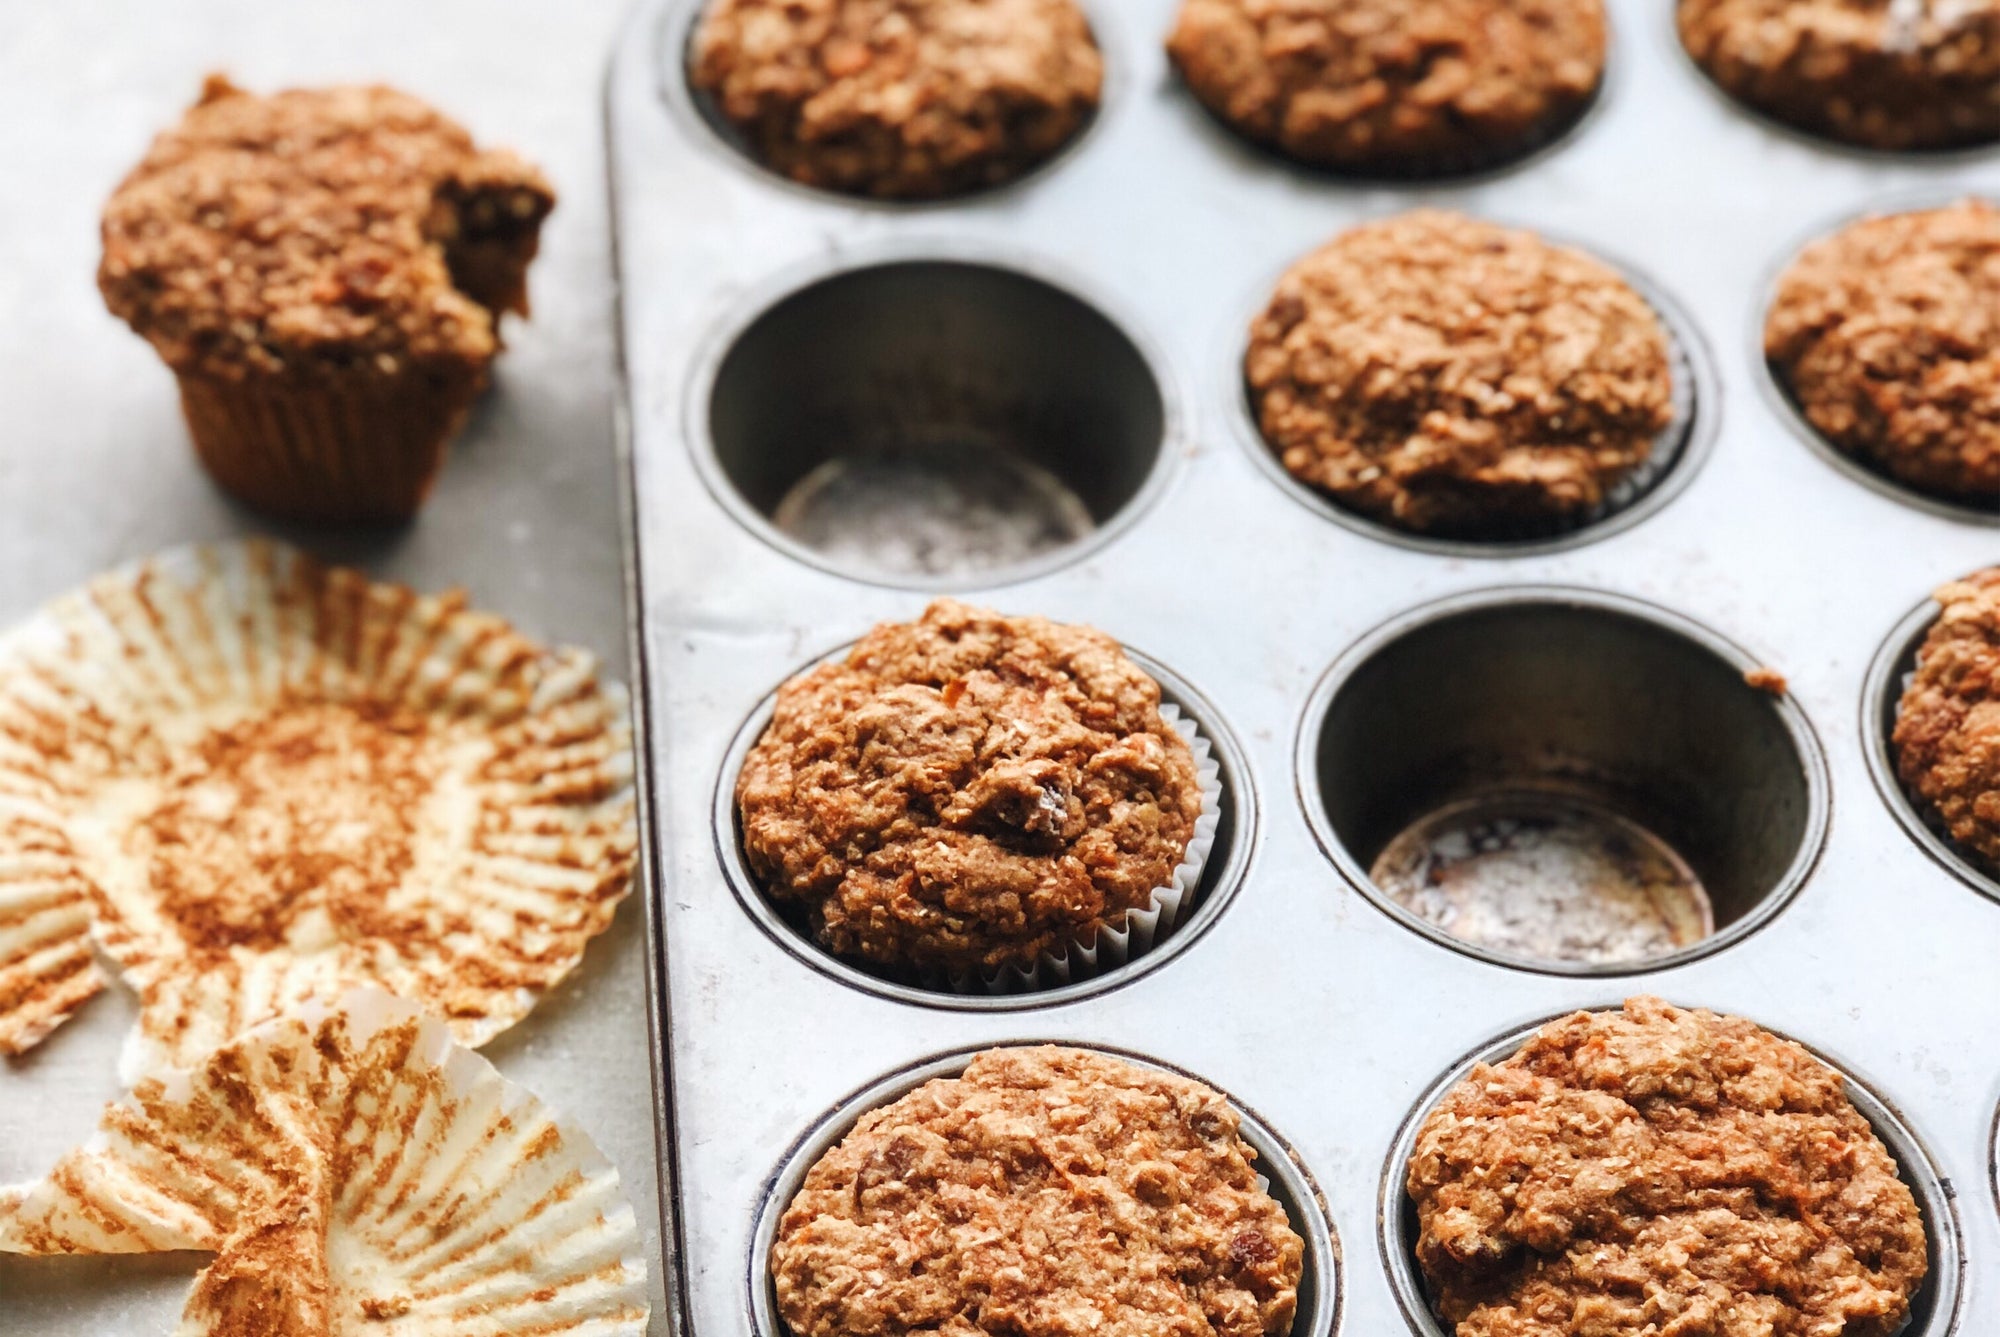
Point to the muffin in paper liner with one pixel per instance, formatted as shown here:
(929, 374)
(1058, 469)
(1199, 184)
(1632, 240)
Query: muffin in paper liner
(351, 1167)
(1109, 947)
(274, 780)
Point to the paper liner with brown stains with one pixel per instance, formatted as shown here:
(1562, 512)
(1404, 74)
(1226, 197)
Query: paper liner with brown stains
(351, 1166)
(275, 780)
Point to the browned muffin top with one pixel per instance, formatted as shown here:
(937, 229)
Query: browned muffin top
(340, 228)
(1393, 85)
(1046, 1193)
(1887, 335)
(1886, 74)
(1661, 1170)
(900, 98)
(1947, 734)
(1453, 377)
(968, 790)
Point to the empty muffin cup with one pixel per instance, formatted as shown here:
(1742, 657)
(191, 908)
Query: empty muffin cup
(1607, 793)
(928, 422)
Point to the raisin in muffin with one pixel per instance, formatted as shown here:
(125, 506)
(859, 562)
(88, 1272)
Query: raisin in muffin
(900, 99)
(1394, 87)
(1658, 1169)
(1881, 74)
(1887, 337)
(1947, 733)
(1450, 377)
(962, 793)
(1045, 1191)
(324, 271)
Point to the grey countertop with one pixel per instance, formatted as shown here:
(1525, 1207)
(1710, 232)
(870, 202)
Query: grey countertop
(95, 470)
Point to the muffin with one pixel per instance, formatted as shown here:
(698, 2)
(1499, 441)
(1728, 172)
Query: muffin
(1457, 379)
(1393, 87)
(1881, 74)
(963, 793)
(1661, 1170)
(900, 99)
(1047, 1191)
(324, 271)
(275, 780)
(1947, 732)
(1887, 337)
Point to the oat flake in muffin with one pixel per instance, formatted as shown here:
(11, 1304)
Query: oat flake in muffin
(1947, 733)
(1455, 378)
(1046, 1192)
(1658, 1170)
(1887, 337)
(908, 99)
(271, 780)
(964, 792)
(1399, 87)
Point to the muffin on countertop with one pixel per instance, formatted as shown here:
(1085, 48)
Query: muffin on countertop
(1454, 378)
(1887, 336)
(1047, 1191)
(900, 99)
(1661, 1170)
(1396, 87)
(324, 271)
(1881, 74)
(1947, 734)
(965, 792)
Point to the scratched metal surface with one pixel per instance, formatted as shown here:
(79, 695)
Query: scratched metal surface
(95, 470)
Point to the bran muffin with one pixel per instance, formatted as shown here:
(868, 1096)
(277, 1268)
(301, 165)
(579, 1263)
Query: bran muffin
(1887, 337)
(1947, 733)
(324, 271)
(963, 793)
(1046, 1192)
(900, 99)
(1455, 378)
(1881, 74)
(1661, 1170)
(1397, 87)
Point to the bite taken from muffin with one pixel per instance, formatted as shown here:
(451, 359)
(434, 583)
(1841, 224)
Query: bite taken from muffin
(324, 271)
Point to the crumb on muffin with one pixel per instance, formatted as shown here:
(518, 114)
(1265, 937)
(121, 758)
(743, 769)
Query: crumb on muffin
(967, 791)
(1448, 376)
(1045, 1191)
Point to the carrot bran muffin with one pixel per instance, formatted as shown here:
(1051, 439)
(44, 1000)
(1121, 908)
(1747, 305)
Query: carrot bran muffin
(1661, 1170)
(900, 99)
(964, 792)
(1451, 377)
(324, 271)
(1882, 74)
(1047, 1192)
(1947, 733)
(1887, 337)
(1402, 87)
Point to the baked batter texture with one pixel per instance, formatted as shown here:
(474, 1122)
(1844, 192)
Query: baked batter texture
(964, 792)
(1045, 1193)
(1393, 86)
(1887, 336)
(1661, 1170)
(1947, 734)
(1452, 377)
(1882, 74)
(904, 99)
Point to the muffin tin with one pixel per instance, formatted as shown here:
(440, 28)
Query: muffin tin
(1119, 280)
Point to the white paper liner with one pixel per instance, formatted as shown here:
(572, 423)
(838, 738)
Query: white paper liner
(1145, 926)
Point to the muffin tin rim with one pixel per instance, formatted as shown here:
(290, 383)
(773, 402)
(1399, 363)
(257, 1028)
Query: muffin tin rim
(1917, 1167)
(1275, 1153)
(1697, 430)
(1787, 408)
(1811, 754)
(1222, 879)
(750, 306)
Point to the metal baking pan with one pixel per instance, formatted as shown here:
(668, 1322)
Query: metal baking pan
(1120, 279)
